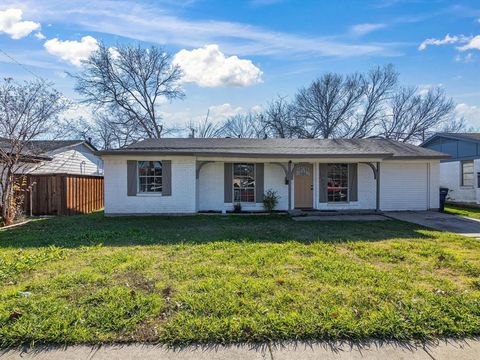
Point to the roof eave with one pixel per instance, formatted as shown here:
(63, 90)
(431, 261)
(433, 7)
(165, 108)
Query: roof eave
(35, 158)
(388, 156)
(421, 157)
(448, 136)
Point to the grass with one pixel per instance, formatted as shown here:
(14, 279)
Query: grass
(215, 279)
(463, 210)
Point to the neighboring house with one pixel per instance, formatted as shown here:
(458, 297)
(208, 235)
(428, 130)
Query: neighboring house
(65, 157)
(162, 176)
(461, 172)
(59, 177)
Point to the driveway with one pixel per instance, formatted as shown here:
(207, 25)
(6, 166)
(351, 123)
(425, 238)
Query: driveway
(440, 221)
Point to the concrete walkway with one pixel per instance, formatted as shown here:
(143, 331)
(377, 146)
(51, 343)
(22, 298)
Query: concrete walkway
(359, 217)
(440, 221)
(458, 350)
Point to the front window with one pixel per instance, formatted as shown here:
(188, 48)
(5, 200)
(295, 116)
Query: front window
(467, 173)
(243, 182)
(337, 182)
(149, 176)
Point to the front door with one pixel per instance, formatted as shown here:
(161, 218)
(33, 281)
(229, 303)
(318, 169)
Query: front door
(303, 186)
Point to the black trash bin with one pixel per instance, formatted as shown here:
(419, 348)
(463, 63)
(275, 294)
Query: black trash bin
(443, 196)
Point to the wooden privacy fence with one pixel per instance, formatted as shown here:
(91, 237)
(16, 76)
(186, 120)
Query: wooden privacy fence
(62, 194)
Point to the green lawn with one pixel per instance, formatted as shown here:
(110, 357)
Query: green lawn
(177, 280)
(473, 212)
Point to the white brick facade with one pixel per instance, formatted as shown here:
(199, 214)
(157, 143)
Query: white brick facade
(183, 190)
(405, 185)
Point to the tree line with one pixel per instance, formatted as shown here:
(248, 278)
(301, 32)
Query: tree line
(352, 106)
(127, 84)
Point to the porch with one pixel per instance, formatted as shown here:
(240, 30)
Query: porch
(304, 184)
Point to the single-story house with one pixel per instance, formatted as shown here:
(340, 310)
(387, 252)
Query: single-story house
(64, 157)
(165, 176)
(461, 172)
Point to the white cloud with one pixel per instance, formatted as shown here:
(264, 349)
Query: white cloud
(209, 67)
(72, 50)
(256, 109)
(78, 110)
(471, 114)
(40, 36)
(11, 23)
(425, 88)
(468, 58)
(156, 23)
(219, 113)
(363, 29)
(446, 40)
(473, 44)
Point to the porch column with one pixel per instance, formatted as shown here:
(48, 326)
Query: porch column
(376, 176)
(378, 187)
(290, 185)
(200, 164)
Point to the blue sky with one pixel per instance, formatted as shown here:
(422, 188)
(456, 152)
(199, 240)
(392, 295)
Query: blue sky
(238, 55)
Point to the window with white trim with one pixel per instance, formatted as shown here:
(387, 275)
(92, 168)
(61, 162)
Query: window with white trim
(149, 176)
(467, 173)
(337, 188)
(244, 183)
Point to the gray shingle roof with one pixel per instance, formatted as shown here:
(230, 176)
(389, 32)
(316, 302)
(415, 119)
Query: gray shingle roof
(40, 148)
(6, 146)
(278, 148)
(44, 146)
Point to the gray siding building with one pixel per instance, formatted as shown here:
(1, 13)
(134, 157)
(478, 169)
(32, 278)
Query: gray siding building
(461, 172)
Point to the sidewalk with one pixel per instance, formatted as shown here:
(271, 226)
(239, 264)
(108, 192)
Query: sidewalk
(458, 350)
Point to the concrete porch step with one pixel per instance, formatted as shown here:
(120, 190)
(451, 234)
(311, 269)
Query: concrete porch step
(358, 217)
(301, 212)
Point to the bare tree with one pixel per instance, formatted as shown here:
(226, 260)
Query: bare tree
(27, 111)
(414, 114)
(114, 131)
(323, 109)
(243, 126)
(106, 130)
(339, 106)
(278, 119)
(204, 128)
(379, 85)
(358, 106)
(131, 80)
(455, 126)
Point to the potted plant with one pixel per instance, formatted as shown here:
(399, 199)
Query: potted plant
(237, 207)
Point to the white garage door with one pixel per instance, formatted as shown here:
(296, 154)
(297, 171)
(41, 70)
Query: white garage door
(404, 186)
